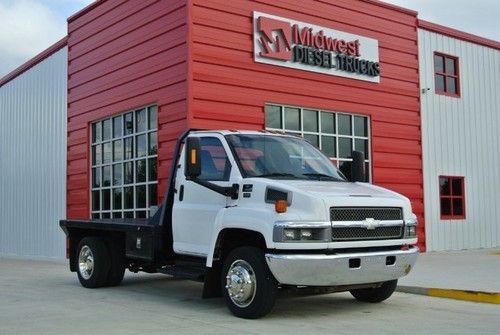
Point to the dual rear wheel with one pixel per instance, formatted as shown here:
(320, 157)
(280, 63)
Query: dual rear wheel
(100, 262)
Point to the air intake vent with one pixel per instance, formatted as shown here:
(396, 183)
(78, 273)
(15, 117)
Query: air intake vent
(363, 213)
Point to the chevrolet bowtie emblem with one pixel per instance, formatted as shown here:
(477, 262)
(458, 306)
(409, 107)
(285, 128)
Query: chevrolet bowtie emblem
(371, 223)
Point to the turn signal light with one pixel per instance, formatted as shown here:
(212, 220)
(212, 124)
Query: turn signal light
(281, 206)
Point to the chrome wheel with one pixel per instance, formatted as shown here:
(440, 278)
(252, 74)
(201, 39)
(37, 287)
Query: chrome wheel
(86, 262)
(241, 284)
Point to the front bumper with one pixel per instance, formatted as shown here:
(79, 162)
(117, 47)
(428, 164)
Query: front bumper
(341, 269)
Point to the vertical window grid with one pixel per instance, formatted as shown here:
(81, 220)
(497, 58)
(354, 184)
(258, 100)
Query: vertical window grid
(446, 75)
(124, 157)
(336, 134)
(452, 197)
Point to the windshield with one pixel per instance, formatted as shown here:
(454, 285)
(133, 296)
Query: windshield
(281, 157)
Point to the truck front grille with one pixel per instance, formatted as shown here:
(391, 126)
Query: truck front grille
(361, 233)
(363, 213)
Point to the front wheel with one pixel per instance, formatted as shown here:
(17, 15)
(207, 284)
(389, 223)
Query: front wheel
(376, 294)
(249, 287)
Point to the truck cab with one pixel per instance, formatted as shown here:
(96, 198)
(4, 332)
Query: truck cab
(258, 212)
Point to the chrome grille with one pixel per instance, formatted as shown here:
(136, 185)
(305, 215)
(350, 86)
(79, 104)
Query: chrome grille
(360, 233)
(362, 213)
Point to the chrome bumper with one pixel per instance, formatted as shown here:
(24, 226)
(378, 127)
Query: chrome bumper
(341, 269)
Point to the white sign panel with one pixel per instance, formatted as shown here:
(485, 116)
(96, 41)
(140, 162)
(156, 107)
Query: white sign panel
(304, 46)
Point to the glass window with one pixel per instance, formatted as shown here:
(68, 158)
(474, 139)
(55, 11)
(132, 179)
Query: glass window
(121, 156)
(446, 75)
(214, 162)
(452, 198)
(336, 134)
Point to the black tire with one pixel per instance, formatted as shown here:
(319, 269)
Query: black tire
(117, 263)
(376, 294)
(265, 287)
(98, 275)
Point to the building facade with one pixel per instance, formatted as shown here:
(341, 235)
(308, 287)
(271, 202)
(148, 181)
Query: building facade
(346, 77)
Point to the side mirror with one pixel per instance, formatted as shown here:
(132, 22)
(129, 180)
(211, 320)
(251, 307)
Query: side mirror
(193, 159)
(358, 167)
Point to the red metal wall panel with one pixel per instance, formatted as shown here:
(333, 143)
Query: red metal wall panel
(123, 55)
(229, 89)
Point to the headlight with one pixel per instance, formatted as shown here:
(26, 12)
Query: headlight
(302, 232)
(411, 228)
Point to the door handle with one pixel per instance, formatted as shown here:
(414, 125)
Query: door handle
(181, 193)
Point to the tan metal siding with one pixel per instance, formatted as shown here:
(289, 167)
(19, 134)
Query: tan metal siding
(33, 159)
(461, 137)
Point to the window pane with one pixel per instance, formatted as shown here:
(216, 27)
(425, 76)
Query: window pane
(344, 124)
(438, 64)
(345, 147)
(292, 119)
(273, 117)
(367, 171)
(360, 126)
(129, 123)
(153, 169)
(451, 85)
(96, 155)
(362, 145)
(328, 145)
(444, 186)
(153, 195)
(106, 175)
(140, 196)
(117, 126)
(106, 155)
(445, 206)
(310, 120)
(313, 139)
(327, 123)
(456, 186)
(117, 150)
(96, 177)
(129, 173)
(128, 215)
(96, 132)
(106, 129)
(214, 162)
(117, 215)
(140, 120)
(95, 215)
(106, 215)
(140, 214)
(140, 142)
(458, 207)
(117, 174)
(117, 198)
(140, 172)
(152, 143)
(106, 199)
(128, 197)
(95, 200)
(450, 66)
(129, 147)
(439, 83)
(152, 117)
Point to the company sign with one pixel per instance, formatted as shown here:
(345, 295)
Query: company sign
(294, 44)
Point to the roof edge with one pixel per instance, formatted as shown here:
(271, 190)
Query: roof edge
(461, 35)
(393, 7)
(35, 60)
(84, 10)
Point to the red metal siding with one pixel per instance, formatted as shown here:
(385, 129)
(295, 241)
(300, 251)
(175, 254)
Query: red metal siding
(229, 90)
(123, 55)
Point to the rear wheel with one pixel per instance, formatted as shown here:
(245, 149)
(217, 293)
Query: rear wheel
(249, 287)
(377, 294)
(93, 262)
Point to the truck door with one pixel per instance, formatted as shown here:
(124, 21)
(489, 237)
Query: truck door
(196, 207)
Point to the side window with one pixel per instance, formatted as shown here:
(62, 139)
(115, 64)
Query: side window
(215, 165)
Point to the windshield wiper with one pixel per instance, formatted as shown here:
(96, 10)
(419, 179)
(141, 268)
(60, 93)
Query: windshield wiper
(322, 176)
(277, 174)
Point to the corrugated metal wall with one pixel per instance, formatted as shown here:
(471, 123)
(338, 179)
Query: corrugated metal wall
(33, 159)
(461, 137)
(229, 90)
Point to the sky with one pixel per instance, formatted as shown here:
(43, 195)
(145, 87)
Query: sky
(30, 26)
